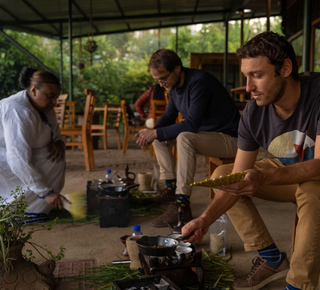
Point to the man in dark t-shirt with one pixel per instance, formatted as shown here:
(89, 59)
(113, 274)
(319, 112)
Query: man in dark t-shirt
(209, 128)
(284, 118)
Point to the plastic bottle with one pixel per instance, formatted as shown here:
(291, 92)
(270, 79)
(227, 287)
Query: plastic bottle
(109, 177)
(218, 236)
(136, 231)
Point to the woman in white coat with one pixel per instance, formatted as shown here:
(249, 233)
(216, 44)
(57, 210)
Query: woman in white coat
(32, 152)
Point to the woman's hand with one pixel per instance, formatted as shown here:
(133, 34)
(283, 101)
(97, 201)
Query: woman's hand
(56, 151)
(199, 227)
(56, 199)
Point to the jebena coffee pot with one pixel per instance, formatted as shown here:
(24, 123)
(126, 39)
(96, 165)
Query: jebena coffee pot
(129, 177)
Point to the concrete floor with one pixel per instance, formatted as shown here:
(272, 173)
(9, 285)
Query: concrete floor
(89, 241)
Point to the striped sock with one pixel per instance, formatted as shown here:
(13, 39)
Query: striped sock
(182, 200)
(171, 183)
(290, 287)
(270, 253)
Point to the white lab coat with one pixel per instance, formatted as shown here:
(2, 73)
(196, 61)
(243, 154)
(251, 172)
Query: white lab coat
(24, 138)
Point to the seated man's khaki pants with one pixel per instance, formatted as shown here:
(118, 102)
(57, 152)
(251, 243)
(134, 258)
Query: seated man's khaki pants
(305, 261)
(188, 146)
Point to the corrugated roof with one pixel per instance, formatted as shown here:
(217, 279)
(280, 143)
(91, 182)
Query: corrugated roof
(50, 18)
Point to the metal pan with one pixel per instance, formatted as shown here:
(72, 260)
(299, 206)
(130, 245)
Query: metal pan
(157, 246)
(111, 190)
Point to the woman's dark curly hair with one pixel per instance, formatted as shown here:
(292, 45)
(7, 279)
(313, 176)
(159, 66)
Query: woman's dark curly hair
(273, 46)
(30, 76)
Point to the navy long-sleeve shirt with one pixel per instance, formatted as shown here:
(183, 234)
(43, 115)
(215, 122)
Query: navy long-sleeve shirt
(205, 105)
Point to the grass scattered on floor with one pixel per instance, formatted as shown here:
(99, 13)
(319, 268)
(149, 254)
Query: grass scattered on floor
(218, 274)
(137, 209)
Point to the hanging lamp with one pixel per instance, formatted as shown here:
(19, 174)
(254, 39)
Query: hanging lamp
(80, 64)
(91, 45)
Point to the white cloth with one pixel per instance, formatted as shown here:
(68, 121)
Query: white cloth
(24, 138)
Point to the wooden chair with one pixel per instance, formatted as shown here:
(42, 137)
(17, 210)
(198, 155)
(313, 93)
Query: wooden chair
(84, 131)
(158, 108)
(129, 131)
(70, 114)
(111, 121)
(60, 109)
(166, 96)
(70, 118)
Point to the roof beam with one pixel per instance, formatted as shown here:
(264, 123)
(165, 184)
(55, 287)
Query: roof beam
(124, 18)
(39, 14)
(84, 15)
(195, 10)
(10, 13)
(121, 11)
(22, 28)
(147, 28)
(236, 5)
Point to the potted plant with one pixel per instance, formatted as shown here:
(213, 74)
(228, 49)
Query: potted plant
(14, 234)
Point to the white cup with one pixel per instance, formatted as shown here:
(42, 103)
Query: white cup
(184, 244)
(183, 250)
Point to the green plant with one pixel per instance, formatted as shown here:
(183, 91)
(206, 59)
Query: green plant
(13, 230)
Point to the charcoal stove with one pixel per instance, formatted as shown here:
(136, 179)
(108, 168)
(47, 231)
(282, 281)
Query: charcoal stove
(181, 271)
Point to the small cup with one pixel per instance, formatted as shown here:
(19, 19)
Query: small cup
(144, 180)
(183, 250)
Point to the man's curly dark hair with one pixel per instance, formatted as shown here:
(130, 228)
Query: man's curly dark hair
(273, 46)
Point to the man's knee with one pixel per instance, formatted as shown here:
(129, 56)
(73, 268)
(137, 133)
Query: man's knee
(222, 170)
(185, 138)
(308, 192)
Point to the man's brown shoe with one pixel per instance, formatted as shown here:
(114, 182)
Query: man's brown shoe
(171, 216)
(262, 273)
(165, 196)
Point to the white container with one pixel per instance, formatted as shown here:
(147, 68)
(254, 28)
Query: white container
(218, 236)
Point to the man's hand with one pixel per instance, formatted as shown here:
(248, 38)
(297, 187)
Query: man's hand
(199, 227)
(249, 186)
(146, 136)
(56, 199)
(56, 151)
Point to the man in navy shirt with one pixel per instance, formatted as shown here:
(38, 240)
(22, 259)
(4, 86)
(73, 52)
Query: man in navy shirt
(209, 128)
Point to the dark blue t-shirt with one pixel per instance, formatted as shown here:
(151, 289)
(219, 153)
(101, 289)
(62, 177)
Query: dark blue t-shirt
(205, 105)
(291, 140)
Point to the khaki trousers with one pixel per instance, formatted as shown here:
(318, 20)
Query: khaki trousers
(188, 146)
(305, 260)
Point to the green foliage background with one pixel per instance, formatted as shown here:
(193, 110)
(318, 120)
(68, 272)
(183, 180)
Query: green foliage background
(120, 64)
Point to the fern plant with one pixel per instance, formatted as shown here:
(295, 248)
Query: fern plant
(14, 231)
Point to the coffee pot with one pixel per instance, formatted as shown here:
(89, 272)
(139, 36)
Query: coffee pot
(129, 177)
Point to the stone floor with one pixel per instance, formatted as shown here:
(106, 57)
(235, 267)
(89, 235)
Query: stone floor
(89, 242)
